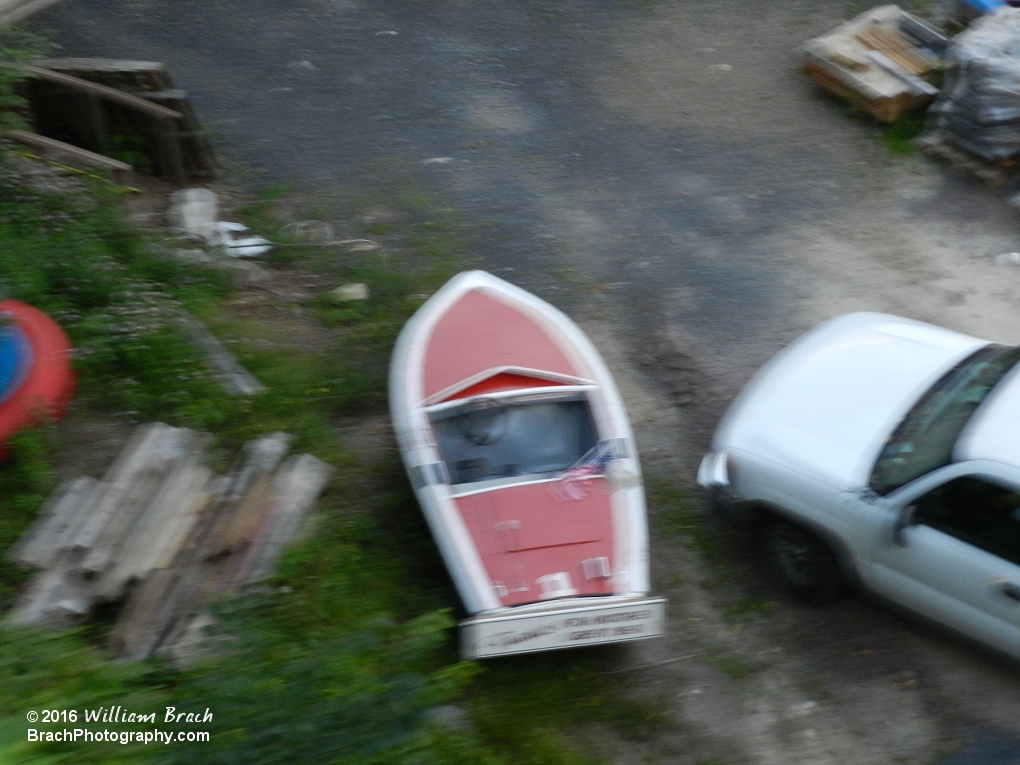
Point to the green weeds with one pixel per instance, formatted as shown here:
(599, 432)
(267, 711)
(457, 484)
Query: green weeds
(343, 656)
(677, 516)
(25, 480)
(17, 48)
(899, 136)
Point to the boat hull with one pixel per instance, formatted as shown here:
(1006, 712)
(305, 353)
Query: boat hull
(520, 453)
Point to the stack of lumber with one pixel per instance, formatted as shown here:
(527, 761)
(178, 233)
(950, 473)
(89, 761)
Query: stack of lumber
(882, 60)
(162, 536)
(126, 109)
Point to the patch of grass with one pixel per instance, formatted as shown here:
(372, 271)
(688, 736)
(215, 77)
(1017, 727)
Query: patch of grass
(26, 479)
(734, 667)
(544, 694)
(748, 608)
(899, 135)
(351, 646)
(61, 671)
(676, 515)
(378, 229)
(18, 47)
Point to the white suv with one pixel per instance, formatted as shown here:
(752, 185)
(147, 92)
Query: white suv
(886, 452)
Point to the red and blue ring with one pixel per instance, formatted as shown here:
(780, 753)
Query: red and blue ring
(36, 380)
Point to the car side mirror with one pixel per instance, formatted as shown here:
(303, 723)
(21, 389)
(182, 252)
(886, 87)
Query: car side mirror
(904, 518)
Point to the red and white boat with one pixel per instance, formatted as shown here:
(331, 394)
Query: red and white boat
(523, 460)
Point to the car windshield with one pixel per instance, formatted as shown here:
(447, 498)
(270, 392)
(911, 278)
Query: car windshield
(924, 439)
(489, 438)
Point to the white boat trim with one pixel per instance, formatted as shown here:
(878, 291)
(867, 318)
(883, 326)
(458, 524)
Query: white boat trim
(420, 452)
(521, 393)
(500, 483)
(539, 374)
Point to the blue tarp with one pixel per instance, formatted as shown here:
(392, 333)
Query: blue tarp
(984, 6)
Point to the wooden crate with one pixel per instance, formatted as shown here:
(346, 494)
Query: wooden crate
(884, 108)
(841, 62)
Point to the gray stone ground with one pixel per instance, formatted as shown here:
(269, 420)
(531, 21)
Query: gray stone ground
(671, 153)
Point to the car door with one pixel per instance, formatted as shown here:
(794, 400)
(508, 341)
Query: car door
(953, 552)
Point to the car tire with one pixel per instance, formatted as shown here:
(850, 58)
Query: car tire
(803, 564)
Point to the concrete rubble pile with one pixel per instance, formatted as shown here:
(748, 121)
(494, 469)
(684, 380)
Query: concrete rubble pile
(162, 536)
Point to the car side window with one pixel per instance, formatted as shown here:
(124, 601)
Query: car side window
(977, 511)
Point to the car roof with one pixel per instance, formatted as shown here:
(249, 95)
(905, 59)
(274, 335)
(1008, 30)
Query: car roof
(993, 432)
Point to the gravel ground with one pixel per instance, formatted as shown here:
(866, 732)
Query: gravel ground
(664, 172)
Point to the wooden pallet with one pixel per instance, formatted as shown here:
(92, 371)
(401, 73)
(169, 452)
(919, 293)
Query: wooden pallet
(992, 174)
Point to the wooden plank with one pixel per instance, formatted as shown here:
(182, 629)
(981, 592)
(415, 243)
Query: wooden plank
(274, 521)
(110, 94)
(297, 486)
(119, 477)
(57, 598)
(206, 561)
(192, 644)
(57, 524)
(101, 65)
(876, 38)
(170, 513)
(140, 629)
(198, 564)
(129, 497)
(261, 455)
(174, 533)
(174, 94)
(74, 153)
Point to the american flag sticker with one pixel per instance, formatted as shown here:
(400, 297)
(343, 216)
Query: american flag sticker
(570, 484)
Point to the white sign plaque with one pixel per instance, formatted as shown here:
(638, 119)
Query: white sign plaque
(568, 627)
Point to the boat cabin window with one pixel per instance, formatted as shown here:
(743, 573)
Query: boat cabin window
(489, 438)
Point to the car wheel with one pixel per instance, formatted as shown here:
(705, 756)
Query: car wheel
(803, 563)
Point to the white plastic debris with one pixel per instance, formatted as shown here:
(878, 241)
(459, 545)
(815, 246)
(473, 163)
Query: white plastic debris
(229, 237)
(1012, 258)
(195, 212)
(183, 196)
(437, 161)
(347, 292)
(191, 209)
(361, 245)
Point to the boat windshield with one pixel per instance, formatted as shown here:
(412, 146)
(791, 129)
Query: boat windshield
(924, 439)
(489, 438)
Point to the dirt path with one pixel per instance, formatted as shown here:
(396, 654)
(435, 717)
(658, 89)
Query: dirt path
(703, 204)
